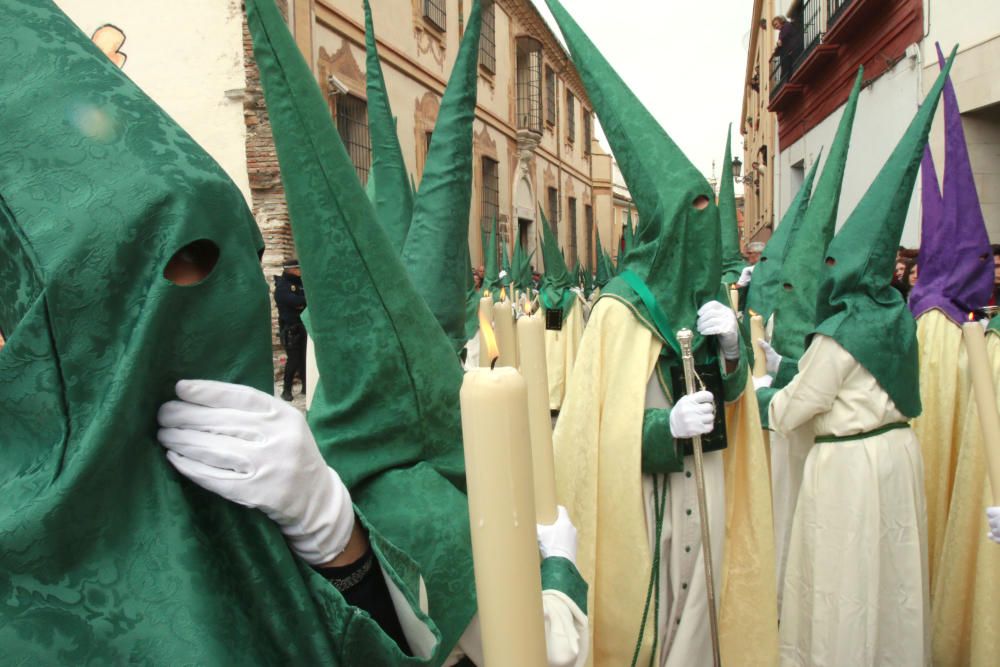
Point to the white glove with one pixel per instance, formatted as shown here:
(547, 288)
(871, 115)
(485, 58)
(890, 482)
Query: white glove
(693, 415)
(559, 539)
(716, 319)
(763, 382)
(745, 276)
(256, 450)
(993, 516)
(773, 359)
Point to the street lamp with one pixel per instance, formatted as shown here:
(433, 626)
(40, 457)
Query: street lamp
(737, 167)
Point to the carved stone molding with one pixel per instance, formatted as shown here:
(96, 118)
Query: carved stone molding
(428, 39)
(344, 66)
(425, 117)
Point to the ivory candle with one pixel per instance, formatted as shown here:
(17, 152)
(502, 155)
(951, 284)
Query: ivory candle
(502, 514)
(734, 297)
(503, 324)
(980, 369)
(485, 311)
(756, 334)
(531, 355)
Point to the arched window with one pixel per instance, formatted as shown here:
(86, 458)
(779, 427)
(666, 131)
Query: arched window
(529, 84)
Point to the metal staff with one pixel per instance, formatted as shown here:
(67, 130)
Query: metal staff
(684, 337)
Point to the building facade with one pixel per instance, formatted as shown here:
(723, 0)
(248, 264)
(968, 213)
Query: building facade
(534, 126)
(759, 130)
(895, 42)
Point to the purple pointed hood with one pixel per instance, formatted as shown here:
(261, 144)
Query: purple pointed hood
(956, 267)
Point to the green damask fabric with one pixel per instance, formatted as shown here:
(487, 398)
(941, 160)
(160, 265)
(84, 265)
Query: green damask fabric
(732, 258)
(386, 411)
(108, 556)
(802, 265)
(660, 453)
(521, 266)
(393, 199)
(436, 252)
(857, 303)
(491, 272)
(560, 574)
(766, 280)
(554, 290)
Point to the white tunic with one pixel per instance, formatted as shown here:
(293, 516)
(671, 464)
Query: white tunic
(684, 635)
(855, 591)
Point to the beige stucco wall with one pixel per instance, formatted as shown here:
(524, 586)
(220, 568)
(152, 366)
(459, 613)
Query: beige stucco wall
(188, 56)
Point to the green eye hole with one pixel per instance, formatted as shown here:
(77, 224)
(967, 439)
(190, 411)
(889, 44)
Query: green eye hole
(192, 264)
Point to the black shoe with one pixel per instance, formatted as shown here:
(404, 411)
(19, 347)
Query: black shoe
(286, 395)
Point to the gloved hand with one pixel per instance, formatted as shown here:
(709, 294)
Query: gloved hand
(693, 415)
(746, 276)
(993, 516)
(763, 382)
(716, 319)
(773, 359)
(256, 450)
(559, 539)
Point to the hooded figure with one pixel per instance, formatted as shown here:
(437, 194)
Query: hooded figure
(956, 277)
(130, 262)
(855, 593)
(370, 492)
(604, 271)
(621, 439)
(562, 306)
(793, 303)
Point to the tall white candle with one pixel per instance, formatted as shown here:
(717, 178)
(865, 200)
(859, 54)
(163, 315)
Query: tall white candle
(531, 357)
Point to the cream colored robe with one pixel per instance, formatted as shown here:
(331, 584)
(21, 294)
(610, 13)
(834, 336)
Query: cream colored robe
(945, 388)
(967, 588)
(598, 443)
(855, 592)
(560, 352)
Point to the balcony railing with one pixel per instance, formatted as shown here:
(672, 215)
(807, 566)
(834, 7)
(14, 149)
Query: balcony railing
(834, 8)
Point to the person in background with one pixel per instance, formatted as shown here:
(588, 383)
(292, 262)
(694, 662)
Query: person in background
(290, 298)
(910, 274)
(789, 43)
(996, 274)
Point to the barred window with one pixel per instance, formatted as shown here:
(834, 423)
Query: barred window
(352, 123)
(570, 117)
(490, 208)
(529, 84)
(571, 221)
(588, 221)
(551, 106)
(488, 38)
(554, 209)
(436, 13)
(587, 130)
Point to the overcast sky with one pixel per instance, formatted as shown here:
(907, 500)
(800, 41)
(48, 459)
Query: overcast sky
(685, 60)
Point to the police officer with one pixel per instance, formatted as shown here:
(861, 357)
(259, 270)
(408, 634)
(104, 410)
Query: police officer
(290, 297)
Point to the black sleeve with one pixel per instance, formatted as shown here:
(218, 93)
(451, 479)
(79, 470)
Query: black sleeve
(284, 297)
(363, 586)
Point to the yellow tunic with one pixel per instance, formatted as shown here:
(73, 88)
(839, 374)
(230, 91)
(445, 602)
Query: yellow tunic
(598, 446)
(944, 392)
(560, 353)
(967, 595)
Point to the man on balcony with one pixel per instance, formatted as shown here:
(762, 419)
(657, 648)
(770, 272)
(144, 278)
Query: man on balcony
(789, 44)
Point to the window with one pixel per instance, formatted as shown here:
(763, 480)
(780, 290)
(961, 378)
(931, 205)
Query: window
(587, 131)
(551, 105)
(571, 246)
(488, 38)
(436, 13)
(570, 117)
(490, 207)
(529, 84)
(352, 123)
(554, 209)
(588, 221)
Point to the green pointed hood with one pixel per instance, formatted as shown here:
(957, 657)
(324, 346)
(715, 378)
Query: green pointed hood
(628, 237)
(386, 411)
(508, 277)
(491, 272)
(677, 252)
(393, 200)
(857, 304)
(732, 258)
(795, 309)
(436, 253)
(766, 282)
(603, 270)
(107, 555)
(556, 281)
(521, 265)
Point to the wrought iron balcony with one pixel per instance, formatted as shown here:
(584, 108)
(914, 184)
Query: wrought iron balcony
(834, 8)
(784, 66)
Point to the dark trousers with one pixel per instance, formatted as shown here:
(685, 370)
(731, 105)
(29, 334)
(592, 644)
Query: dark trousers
(293, 339)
